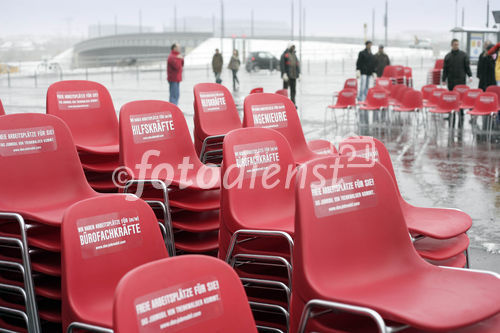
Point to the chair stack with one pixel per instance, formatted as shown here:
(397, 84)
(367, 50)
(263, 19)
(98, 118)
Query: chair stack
(434, 76)
(215, 114)
(41, 177)
(256, 220)
(396, 73)
(162, 166)
(86, 107)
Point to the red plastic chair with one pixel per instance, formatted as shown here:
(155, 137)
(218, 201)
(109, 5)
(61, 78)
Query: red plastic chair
(283, 92)
(377, 99)
(351, 83)
(435, 97)
(397, 98)
(223, 305)
(103, 239)
(257, 90)
(86, 107)
(438, 223)
(495, 90)
(486, 105)
(461, 89)
(346, 100)
(383, 82)
(278, 112)
(449, 102)
(50, 170)
(2, 111)
(354, 254)
(427, 91)
(322, 147)
(411, 101)
(469, 98)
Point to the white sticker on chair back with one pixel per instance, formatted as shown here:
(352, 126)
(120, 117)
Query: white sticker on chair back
(27, 141)
(152, 126)
(179, 306)
(486, 99)
(473, 94)
(379, 95)
(383, 83)
(109, 233)
(84, 99)
(342, 195)
(213, 101)
(269, 115)
(450, 97)
(256, 157)
(351, 83)
(347, 94)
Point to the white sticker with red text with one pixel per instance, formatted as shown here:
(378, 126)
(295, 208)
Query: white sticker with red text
(27, 141)
(70, 100)
(269, 115)
(152, 126)
(256, 157)
(180, 306)
(343, 195)
(109, 233)
(213, 101)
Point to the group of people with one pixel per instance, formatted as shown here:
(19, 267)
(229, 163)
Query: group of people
(370, 65)
(488, 66)
(234, 66)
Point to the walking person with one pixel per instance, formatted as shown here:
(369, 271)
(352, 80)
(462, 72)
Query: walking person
(175, 62)
(217, 62)
(456, 66)
(290, 70)
(234, 66)
(365, 68)
(486, 69)
(381, 61)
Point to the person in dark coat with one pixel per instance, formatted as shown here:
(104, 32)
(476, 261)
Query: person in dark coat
(381, 61)
(486, 69)
(456, 66)
(290, 70)
(365, 68)
(217, 62)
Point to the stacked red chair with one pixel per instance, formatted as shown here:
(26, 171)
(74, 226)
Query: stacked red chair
(283, 92)
(157, 153)
(408, 75)
(256, 220)
(396, 73)
(439, 234)
(346, 101)
(278, 112)
(215, 114)
(427, 91)
(2, 111)
(86, 107)
(486, 106)
(355, 258)
(434, 76)
(351, 83)
(322, 147)
(495, 90)
(377, 101)
(210, 284)
(102, 239)
(41, 177)
(468, 100)
(257, 90)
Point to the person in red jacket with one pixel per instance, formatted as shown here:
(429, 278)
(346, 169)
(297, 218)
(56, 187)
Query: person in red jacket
(175, 63)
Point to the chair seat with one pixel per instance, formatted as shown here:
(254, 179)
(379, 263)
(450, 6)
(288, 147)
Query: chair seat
(480, 113)
(340, 106)
(457, 261)
(40, 236)
(104, 149)
(371, 107)
(466, 106)
(197, 242)
(441, 249)
(440, 223)
(197, 221)
(106, 166)
(305, 155)
(453, 299)
(405, 109)
(98, 312)
(437, 110)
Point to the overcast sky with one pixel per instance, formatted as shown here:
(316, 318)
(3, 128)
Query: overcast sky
(323, 17)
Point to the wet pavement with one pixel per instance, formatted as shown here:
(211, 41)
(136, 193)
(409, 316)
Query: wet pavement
(449, 169)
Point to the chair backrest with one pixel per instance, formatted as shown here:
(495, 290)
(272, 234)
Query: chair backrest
(167, 289)
(2, 111)
(383, 82)
(86, 107)
(322, 147)
(377, 97)
(276, 112)
(349, 227)
(283, 92)
(351, 83)
(398, 71)
(461, 89)
(102, 239)
(427, 91)
(407, 71)
(449, 100)
(486, 102)
(395, 89)
(255, 159)
(388, 71)
(412, 99)
(401, 92)
(470, 96)
(147, 126)
(39, 165)
(214, 110)
(347, 97)
(436, 95)
(439, 64)
(494, 89)
(257, 90)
